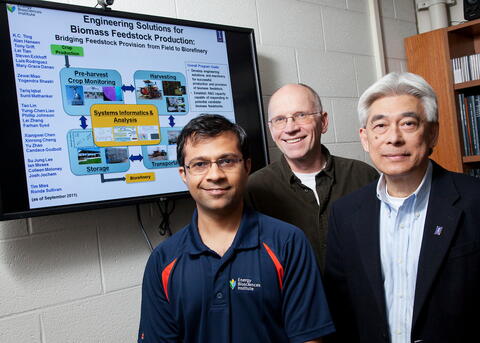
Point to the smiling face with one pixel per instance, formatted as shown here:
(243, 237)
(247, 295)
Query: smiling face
(216, 191)
(399, 138)
(300, 143)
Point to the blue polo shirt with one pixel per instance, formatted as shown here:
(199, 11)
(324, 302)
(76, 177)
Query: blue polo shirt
(265, 288)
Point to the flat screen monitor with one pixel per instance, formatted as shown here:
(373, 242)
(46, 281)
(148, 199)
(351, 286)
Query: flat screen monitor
(93, 101)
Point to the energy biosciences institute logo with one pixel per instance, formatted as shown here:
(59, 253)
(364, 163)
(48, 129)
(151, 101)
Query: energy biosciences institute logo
(243, 284)
(23, 10)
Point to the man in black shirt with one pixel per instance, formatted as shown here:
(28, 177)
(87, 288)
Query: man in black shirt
(300, 186)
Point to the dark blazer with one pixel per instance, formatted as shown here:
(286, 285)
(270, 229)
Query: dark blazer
(447, 294)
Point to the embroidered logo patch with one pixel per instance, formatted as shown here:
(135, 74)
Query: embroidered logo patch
(244, 284)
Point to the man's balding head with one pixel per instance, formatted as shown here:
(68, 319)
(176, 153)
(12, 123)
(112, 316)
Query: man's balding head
(297, 121)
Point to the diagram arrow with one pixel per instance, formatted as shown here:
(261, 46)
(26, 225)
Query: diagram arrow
(66, 61)
(128, 88)
(171, 121)
(103, 179)
(83, 122)
(136, 158)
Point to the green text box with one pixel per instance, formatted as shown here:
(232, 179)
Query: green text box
(66, 50)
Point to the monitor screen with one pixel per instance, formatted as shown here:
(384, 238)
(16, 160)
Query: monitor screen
(93, 101)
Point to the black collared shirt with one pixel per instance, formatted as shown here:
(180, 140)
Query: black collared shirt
(277, 192)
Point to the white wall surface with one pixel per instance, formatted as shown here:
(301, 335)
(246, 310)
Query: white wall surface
(77, 277)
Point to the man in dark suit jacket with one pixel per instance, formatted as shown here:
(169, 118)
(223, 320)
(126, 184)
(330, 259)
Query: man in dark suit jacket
(403, 256)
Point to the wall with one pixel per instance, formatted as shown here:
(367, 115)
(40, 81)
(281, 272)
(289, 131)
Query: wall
(77, 277)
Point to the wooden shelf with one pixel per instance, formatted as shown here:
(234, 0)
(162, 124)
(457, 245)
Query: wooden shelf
(466, 85)
(471, 159)
(429, 55)
(471, 28)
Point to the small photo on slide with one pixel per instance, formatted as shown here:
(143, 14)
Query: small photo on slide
(93, 92)
(173, 136)
(89, 155)
(176, 104)
(103, 134)
(148, 132)
(173, 88)
(116, 154)
(148, 89)
(157, 153)
(74, 95)
(111, 93)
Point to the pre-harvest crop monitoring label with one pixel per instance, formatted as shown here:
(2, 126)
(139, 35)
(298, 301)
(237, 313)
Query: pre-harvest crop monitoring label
(103, 99)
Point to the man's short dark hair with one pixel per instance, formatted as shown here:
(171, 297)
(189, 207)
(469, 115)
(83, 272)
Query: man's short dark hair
(209, 126)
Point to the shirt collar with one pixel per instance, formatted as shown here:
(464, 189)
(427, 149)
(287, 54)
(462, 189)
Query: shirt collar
(247, 236)
(290, 177)
(419, 194)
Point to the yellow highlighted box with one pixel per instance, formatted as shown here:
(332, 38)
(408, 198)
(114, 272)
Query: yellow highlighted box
(125, 124)
(140, 177)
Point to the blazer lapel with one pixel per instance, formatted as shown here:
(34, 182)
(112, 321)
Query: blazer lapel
(368, 237)
(440, 226)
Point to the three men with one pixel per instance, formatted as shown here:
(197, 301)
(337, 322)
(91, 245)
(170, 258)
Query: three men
(300, 187)
(232, 275)
(403, 256)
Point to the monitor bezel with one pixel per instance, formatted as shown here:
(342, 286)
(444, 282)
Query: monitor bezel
(13, 178)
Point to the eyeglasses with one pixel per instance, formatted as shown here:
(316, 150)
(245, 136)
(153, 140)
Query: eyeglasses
(280, 122)
(199, 167)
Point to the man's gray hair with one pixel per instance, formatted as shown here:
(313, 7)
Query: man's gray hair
(399, 84)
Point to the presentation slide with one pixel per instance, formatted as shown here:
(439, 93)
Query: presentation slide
(102, 101)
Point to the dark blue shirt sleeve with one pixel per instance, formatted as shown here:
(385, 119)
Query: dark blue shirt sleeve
(157, 322)
(305, 310)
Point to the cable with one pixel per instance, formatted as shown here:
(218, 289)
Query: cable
(139, 217)
(166, 208)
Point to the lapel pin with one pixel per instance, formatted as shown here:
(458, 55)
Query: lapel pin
(438, 230)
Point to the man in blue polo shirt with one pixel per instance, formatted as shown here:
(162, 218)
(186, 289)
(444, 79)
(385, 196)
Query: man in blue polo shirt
(233, 274)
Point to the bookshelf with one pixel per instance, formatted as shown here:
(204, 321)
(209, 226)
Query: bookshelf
(429, 55)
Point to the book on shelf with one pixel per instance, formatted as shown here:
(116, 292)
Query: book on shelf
(466, 68)
(476, 103)
(463, 121)
(469, 111)
(473, 123)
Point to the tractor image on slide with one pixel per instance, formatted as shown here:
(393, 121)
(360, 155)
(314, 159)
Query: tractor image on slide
(150, 90)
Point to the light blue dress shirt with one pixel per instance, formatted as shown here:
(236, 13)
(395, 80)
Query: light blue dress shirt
(402, 222)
